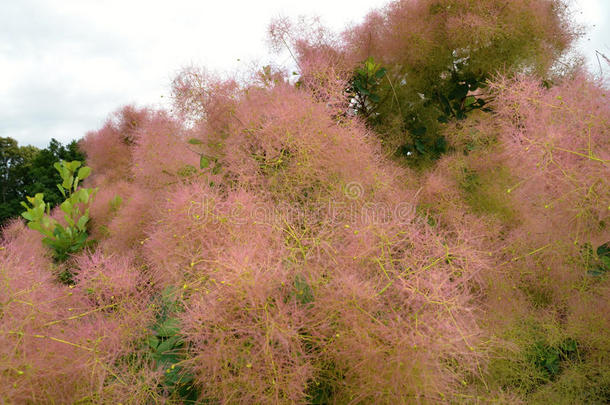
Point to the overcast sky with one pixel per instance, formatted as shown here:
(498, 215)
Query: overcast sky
(66, 64)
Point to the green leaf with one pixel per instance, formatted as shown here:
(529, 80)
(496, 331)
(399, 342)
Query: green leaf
(85, 193)
(84, 172)
(46, 222)
(169, 344)
(204, 162)
(66, 207)
(69, 220)
(169, 328)
(603, 250)
(35, 226)
(421, 148)
(470, 100)
(195, 141)
(152, 341)
(459, 92)
(364, 91)
(68, 181)
(61, 190)
(380, 73)
(441, 144)
(82, 222)
(551, 362)
(72, 166)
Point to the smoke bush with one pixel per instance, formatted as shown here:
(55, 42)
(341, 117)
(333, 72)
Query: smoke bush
(108, 150)
(560, 153)
(53, 342)
(258, 245)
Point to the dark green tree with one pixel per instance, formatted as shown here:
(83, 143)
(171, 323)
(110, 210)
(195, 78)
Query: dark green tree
(15, 163)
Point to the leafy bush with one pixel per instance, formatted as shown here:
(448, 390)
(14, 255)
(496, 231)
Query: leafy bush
(71, 238)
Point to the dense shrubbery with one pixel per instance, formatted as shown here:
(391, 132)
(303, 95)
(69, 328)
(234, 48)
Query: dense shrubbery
(259, 246)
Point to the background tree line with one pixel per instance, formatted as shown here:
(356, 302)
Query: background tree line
(27, 170)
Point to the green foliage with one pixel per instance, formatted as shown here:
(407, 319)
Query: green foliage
(598, 263)
(543, 353)
(452, 99)
(548, 358)
(27, 170)
(69, 239)
(205, 161)
(421, 113)
(439, 74)
(167, 349)
(582, 383)
(364, 87)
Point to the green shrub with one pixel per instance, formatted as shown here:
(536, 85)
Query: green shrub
(167, 349)
(72, 238)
